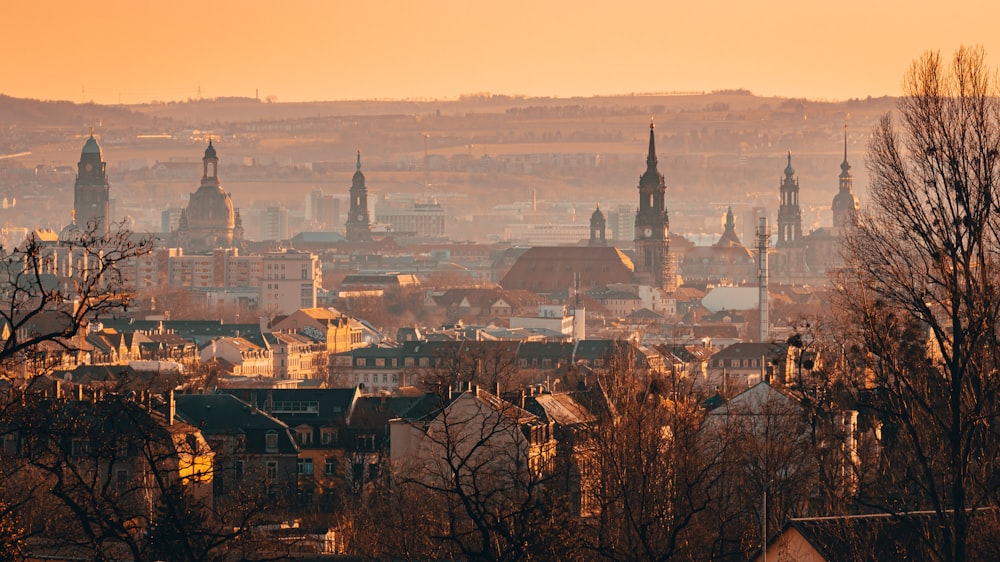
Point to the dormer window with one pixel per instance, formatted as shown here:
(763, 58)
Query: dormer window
(271, 442)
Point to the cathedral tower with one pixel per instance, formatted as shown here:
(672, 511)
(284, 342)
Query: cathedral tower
(652, 227)
(90, 192)
(789, 213)
(845, 204)
(359, 228)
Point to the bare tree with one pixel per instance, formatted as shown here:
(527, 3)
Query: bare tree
(922, 288)
(50, 290)
(656, 470)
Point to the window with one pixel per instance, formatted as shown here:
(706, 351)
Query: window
(121, 479)
(366, 442)
(238, 469)
(272, 469)
(328, 435)
(271, 442)
(330, 466)
(305, 466)
(304, 435)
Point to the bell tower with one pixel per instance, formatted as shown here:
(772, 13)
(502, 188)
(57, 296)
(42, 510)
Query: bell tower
(652, 227)
(598, 228)
(845, 203)
(789, 212)
(90, 192)
(359, 228)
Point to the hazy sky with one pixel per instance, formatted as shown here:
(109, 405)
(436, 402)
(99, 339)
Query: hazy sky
(296, 50)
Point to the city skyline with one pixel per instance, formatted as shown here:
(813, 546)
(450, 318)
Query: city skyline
(317, 50)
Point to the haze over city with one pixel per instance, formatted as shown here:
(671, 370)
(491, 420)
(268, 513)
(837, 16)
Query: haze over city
(445, 280)
(133, 52)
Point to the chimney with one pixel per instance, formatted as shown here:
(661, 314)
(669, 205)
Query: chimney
(171, 407)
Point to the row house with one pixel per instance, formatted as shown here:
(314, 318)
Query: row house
(240, 357)
(386, 368)
(743, 365)
(295, 356)
(494, 442)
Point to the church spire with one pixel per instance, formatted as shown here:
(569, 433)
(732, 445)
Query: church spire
(845, 168)
(651, 156)
(359, 160)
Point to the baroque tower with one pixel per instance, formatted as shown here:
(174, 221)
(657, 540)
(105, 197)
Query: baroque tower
(359, 228)
(209, 220)
(598, 228)
(90, 192)
(845, 204)
(789, 213)
(652, 227)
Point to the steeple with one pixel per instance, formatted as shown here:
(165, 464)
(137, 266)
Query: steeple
(729, 237)
(845, 204)
(652, 226)
(358, 221)
(651, 155)
(845, 168)
(789, 212)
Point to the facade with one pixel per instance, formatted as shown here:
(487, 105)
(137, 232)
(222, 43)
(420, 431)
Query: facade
(419, 220)
(359, 228)
(289, 281)
(239, 356)
(652, 227)
(90, 192)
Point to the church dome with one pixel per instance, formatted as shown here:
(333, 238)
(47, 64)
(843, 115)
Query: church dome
(845, 201)
(210, 207)
(789, 170)
(210, 151)
(597, 216)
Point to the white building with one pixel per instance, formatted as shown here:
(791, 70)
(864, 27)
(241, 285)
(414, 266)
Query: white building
(289, 281)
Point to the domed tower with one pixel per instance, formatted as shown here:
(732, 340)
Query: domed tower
(210, 218)
(652, 227)
(90, 192)
(789, 213)
(845, 204)
(598, 228)
(359, 228)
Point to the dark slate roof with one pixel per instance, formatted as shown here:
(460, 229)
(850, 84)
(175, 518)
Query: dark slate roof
(294, 406)
(226, 414)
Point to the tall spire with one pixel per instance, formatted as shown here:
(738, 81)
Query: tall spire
(845, 168)
(359, 160)
(789, 170)
(651, 156)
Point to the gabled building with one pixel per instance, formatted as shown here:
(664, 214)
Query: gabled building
(248, 443)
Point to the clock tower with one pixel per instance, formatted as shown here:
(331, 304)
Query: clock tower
(359, 228)
(652, 227)
(90, 192)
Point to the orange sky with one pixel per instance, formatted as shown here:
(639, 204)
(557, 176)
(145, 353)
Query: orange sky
(136, 51)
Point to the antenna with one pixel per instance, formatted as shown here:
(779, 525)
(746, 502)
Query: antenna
(763, 241)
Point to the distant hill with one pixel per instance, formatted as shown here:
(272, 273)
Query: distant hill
(36, 113)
